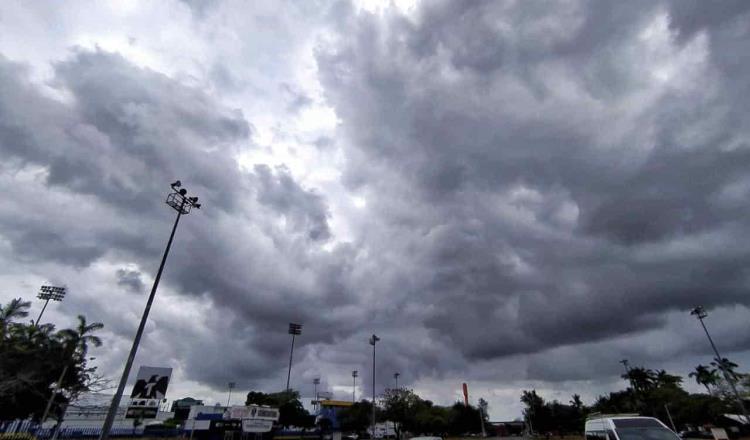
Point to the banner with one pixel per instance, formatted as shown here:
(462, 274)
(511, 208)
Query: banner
(149, 390)
(151, 383)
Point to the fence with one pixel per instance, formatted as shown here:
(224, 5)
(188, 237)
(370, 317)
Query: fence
(29, 430)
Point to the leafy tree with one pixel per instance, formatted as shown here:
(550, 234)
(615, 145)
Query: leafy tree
(727, 366)
(464, 419)
(34, 360)
(399, 406)
(705, 376)
(356, 418)
(291, 411)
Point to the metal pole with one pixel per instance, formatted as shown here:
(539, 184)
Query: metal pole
(58, 384)
(131, 357)
(354, 388)
(373, 388)
(36, 324)
(720, 361)
(289, 373)
(671, 422)
(230, 397)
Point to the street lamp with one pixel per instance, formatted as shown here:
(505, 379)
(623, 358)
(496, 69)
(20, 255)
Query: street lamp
(48, 293)
(180, 202)
(700, 313)
(316, 382)
(395, 376)
(231, 386)
(294, 330)
(355, 373)
(373, 340)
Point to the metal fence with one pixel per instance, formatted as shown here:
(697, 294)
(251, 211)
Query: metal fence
(29, 430)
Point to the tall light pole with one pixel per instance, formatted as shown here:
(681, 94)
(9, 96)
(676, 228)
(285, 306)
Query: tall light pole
(700, 313)
(316, 382)
(48, 293)
(355, 373)
(180, 202)
(231, 386)
(395, 377)
(294, 330)
(373, 340)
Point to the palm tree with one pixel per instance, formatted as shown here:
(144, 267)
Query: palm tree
(727, 366)
(705, 376)
(78, 339)
(640, 378)
(664, 379)
(16, 308)
(576, 402)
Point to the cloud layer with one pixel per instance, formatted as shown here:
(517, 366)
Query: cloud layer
(508, 194)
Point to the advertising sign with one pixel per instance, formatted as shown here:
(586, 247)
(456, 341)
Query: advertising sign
(149, 390)
(256, 425)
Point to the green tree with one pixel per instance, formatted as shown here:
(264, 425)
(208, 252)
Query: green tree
(34, 360)
(705, 376)
(399, 406)
(356, 418)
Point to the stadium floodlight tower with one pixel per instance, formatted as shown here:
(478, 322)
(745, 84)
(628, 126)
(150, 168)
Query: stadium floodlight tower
(355, 373)
(700, 313)
(48, 293)
(180, 202)
(373, 340)
(294, 330)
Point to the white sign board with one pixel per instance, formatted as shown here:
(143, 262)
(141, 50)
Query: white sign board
(149, 390)
(256, 425)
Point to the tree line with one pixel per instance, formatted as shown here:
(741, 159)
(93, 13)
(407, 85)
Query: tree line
(404, 409)
(654, 393)
(37, 361)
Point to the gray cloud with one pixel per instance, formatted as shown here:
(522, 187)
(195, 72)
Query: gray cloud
(541, 191)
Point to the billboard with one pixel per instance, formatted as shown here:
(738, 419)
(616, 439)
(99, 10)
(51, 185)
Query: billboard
(149, 390)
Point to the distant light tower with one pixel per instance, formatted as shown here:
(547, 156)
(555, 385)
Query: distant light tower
(231, 386)
(180, 202)
(355, 373)
(316, 382)
(700, 313)
(48, 293)
(373, 340)
(294, 330)
(395, 377)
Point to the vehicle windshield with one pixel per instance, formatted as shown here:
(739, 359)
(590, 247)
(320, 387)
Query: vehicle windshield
(646, 434)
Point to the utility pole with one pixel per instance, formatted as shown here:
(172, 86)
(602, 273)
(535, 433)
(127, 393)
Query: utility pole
(373, 340)
(700, 313)
(355, 373)
(294, 330)
(180, 202)
(395, 377)
(48, 293)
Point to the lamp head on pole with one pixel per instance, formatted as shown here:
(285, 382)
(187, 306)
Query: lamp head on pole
(355, 373)
(699, 312)
(374, 339)
(179, 200)
(295, 329)
(51, 292)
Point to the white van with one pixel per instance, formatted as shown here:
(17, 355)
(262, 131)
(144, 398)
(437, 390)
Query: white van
(627, 427)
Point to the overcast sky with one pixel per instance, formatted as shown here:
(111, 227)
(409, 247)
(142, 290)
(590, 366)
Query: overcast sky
(511, 194)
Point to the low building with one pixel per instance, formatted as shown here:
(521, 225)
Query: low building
(181, 407)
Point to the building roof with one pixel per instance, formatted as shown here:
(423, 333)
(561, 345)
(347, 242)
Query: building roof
(341, 403)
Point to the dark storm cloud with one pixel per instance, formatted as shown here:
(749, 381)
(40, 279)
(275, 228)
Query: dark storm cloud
(130, 279)
(546, 179)
(543, 186)
(110, 150)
